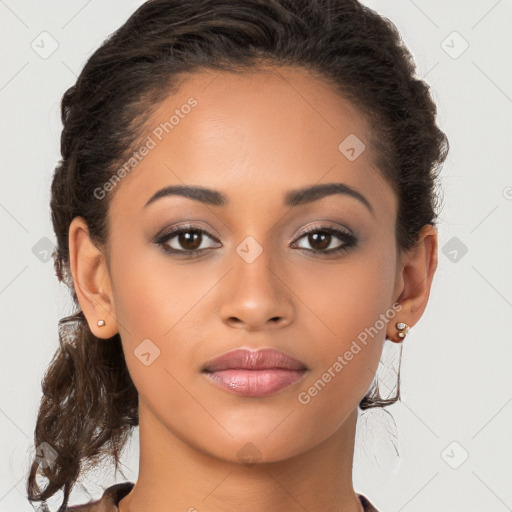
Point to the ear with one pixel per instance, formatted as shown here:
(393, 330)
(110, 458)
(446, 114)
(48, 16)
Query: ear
(414, 280)
(91, 280)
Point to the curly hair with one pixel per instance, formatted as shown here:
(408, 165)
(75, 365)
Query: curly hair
(89, 402)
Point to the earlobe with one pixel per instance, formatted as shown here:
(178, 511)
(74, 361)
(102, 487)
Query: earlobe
(91, 280)
(419, 265)
(401, 330)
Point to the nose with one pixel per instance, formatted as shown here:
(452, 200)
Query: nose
(256, 295)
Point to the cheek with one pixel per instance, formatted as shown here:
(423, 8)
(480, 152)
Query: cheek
(156, 305)
(152, 296)
(348, 296)
(348, 310)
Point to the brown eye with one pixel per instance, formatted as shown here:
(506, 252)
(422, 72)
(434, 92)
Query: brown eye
(186, 240)
(189, 240)
(321, 238)
(319, 241)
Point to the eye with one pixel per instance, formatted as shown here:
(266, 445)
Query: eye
(322, 238)
(189, 238)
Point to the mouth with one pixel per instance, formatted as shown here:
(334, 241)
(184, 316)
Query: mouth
(254, 373)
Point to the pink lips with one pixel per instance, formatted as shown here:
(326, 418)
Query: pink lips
(254, 373)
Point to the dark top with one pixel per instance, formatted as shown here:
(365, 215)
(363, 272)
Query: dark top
(115, 493)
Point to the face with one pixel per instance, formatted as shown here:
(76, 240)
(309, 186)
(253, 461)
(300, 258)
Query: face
(315, 278)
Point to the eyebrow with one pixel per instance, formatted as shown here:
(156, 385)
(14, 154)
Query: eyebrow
(292, 198)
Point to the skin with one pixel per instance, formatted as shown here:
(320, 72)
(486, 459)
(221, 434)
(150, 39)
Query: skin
(253, 137)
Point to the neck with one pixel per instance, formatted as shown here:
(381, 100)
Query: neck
(173, 476)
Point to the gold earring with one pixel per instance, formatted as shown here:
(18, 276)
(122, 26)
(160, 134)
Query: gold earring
(101, 323)
(402, 328)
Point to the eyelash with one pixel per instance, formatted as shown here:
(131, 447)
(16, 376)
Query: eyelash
(349, 239)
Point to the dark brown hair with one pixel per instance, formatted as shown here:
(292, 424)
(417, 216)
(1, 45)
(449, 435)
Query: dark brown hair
(89, 402)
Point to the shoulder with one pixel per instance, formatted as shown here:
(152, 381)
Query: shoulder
(108, 502)
(367, 505)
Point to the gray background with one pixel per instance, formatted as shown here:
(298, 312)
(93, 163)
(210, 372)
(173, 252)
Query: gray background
(453, 425)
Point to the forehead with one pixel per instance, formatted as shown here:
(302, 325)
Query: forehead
(252, 136)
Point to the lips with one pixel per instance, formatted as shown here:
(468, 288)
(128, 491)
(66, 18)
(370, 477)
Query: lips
(254, 373)
(244, 359)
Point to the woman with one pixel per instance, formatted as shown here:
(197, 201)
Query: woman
(245, 210)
